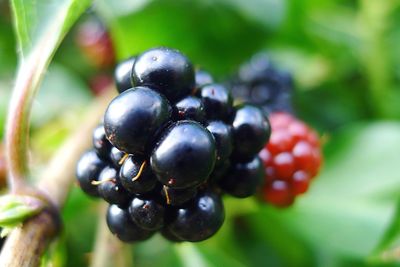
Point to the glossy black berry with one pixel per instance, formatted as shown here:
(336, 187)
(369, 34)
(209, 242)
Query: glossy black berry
(251, 131)
(190, 108)
(133, 117)
(243, 179)
(122, 74)
(110, 188)
(121, 225)
(217, 101)
(147, 213)
(117, 157)
(184, 156)
(136, 176)
(199, 219)
(101, 143)
(166, 70)
(177, 197)
(202, 78)
(223, 139)
(88, 169)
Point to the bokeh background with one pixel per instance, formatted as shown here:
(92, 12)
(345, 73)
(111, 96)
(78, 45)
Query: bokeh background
(344, 56)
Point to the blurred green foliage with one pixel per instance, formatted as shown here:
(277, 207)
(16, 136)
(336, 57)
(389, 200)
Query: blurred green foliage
(345, 58)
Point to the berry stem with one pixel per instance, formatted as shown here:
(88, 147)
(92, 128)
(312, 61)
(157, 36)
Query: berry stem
(25, 245)
(139, 172)
(104, 181)
(17, 128)
(122, 160)
(167, 195)
(109, 251)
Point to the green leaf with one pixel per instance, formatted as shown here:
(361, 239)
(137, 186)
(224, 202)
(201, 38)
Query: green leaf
(210, 33)
(39, 26)
(268, 13)
(61, 91)
(15, 209)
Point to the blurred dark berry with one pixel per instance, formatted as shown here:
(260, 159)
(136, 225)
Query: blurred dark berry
(259, 82)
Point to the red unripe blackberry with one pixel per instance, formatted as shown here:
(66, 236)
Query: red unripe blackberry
(95, 43)
(292, 158)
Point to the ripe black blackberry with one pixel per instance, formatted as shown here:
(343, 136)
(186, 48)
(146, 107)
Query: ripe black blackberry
(134, 116)
(136, 176)
(199, 219)
(184, 156)
(166, 70)
(88, 169)
(100, 142)
(120, 224)
(259, 82)
(169, 140)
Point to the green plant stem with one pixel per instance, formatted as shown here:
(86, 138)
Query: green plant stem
(26, 244)
(17, 133)
(109, 251)
(374, 18)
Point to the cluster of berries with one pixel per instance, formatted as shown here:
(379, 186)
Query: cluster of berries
(293, 155)
(259, 82)
(170, 144)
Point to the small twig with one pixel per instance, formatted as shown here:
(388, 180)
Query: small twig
(109, 251)
(25, 245)
(17, 127)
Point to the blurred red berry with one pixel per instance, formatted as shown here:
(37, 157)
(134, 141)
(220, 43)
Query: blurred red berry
(99, 83)
(291, 159)
(95, 43)
(278, 193)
